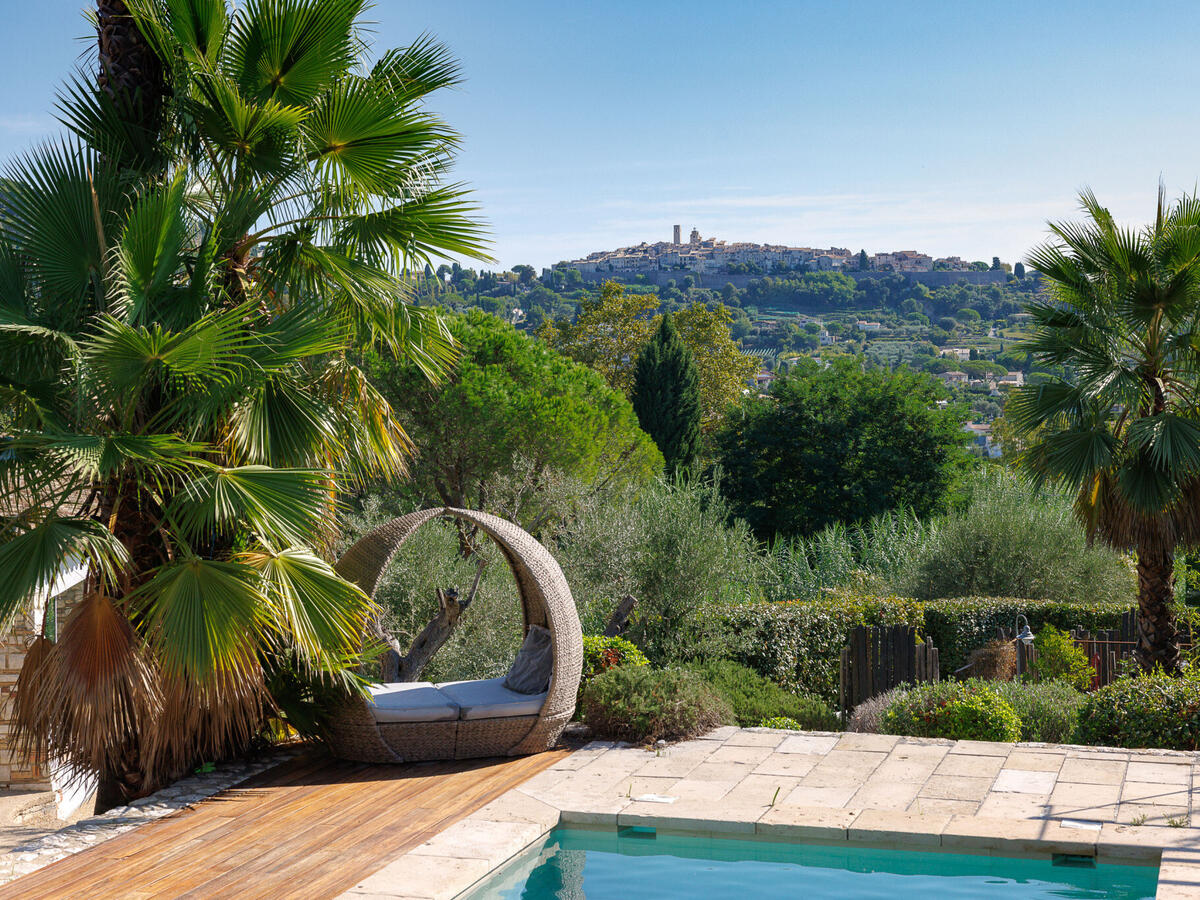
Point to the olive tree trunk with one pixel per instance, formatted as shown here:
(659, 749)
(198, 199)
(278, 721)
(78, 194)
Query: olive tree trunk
(397, 666)
(1158, 640)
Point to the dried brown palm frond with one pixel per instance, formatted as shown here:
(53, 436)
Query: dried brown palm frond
(205, 721)
(1108, 514)
(25, 706)
(89, 695)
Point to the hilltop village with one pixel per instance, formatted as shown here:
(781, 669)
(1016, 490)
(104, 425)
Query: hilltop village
(709, 256)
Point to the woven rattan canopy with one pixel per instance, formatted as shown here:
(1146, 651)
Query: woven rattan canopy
(545, 600)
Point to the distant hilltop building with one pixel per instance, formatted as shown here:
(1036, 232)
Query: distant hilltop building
(708, 256)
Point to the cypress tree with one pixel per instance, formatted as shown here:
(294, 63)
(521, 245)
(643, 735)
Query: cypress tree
(666, 397)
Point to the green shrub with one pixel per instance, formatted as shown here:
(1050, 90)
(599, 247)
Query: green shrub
(671, 545)
(798, 644)
(814, 714)
(952, 710)
(1012, 540)
(643, 705)
(754, 698)
(910, 711)
(1049, 710)
(1143, 711)
(981, 716)
(1008, 540)
(782, 723)
(602, 653)
(1059, 657)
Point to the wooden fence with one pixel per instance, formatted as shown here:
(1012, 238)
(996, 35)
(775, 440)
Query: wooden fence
(878, 659)
(1108, 650)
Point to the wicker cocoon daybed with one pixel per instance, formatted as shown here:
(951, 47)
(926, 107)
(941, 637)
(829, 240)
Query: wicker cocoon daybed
(463, 720)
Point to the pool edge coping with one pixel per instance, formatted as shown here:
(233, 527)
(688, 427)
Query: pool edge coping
(452, 850)
(459, 859)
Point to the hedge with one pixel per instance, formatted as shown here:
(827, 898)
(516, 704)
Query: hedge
(1045, 710)
(798, 644)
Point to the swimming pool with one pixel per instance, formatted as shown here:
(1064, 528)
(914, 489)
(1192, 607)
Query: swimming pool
(635, 864)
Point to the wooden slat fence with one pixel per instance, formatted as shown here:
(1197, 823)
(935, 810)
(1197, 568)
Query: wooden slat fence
(1107, 649)
(880, 658)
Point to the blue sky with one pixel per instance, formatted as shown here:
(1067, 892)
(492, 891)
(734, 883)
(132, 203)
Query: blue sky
(949, 127)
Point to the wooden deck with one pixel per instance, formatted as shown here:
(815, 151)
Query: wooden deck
(311, 828)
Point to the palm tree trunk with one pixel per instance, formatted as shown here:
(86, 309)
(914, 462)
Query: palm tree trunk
(130, 72)
(132, 75)
(1158, 641)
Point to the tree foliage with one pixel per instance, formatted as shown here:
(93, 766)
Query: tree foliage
(511, 408)
(666, 397)
(840, 444)
(723, 369)
(608, 334)
(611, 330)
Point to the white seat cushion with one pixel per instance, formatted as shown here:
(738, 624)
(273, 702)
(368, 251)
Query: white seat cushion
(416, 701)
(491, 699)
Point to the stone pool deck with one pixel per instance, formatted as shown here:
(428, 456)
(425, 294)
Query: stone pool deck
(909, 793)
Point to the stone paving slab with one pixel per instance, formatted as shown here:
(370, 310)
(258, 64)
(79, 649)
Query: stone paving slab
(1120, 806)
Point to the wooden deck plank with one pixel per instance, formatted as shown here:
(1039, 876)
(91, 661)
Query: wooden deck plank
(288, 812)
(353, 827)
(137, 849)
(310, 828)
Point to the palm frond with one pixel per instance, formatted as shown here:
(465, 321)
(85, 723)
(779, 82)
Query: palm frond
(98, 457)
(61, 210)
(375, 443)
(290, 51)
(109, 124)
(32, 559)
(209, 350)
(148, 255)
(414, 72)
(283, 506)
(1171, 441)
(204, 616)
(259, 134)
(280, 422)
(438, 223)
(90, 695)
(318, 612)
(359, 138)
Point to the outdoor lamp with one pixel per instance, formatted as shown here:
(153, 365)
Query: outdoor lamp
(1025, 636)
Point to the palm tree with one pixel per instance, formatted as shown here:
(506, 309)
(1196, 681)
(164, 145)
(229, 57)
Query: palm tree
(180, 319)
(1123, 319)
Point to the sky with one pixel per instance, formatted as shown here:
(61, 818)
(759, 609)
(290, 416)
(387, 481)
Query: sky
(954, 128)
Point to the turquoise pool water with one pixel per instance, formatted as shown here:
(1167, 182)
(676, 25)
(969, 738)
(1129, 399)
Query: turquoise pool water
(610, 865)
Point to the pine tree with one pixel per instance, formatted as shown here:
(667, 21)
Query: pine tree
(666, 397)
